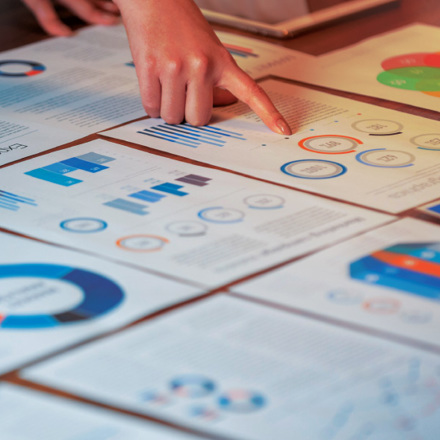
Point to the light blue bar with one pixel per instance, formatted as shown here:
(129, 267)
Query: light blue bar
(196, 136)
(51, 177)
(211, 129)
(214, 136)
(176, 135)
(170, 188)
(95, 158)
(147, 132)
(147, 196)
(8, 206)
(126, 205)
(15, 195)
(84, 165)
(60, 168)
(7, 197)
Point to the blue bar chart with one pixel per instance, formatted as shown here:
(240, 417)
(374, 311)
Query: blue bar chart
(170, 188)
(11, 201)
(191, 136)
(57, 173)
(147, 196)
(159, 193)
(126, 205)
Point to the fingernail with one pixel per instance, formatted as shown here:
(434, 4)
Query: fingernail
(283, 127)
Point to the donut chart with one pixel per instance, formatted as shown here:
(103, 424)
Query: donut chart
(30, 68)
(100, 295)
(241, 401)
(415, 71)
(192, 386)
(330, 144)
(409, 267)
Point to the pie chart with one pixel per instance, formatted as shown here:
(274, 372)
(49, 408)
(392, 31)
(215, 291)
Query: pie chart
(414, 71)
(98, 295)
(20, 68)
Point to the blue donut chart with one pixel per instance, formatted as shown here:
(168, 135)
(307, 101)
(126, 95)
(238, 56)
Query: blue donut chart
(192, 386)
(34, 68)
(100, 295)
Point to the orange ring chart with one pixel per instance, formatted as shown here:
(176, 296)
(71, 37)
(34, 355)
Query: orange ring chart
(142, 243)
(330, 144)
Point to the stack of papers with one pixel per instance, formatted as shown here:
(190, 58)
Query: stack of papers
(278, 289)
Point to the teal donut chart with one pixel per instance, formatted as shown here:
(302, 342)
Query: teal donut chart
(100, 295)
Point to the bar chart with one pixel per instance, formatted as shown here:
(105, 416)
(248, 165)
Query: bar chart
(57, 173)
(156, 194)
(11, 201)
(190, 136)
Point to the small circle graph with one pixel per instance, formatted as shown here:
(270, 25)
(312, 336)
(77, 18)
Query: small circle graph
(192, 386)
(241, 401)
(414, 71)
(99, 295)
(20, 68)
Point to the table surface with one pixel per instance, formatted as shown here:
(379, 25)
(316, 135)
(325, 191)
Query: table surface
(19, 28)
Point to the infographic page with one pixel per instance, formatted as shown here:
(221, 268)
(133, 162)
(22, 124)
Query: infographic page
(234, 368)
(27, 414)
(52, 298)
(385, 280)
(62, 89)
(259, 58)
(401, 66)
(186, 221)
(343, 149)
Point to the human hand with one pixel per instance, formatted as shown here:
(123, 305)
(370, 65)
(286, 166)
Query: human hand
(102, 12)
(182, 67)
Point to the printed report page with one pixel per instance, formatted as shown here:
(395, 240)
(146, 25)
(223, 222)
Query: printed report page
(401, 66)
(52, 298)
(194, 223)
(386, 280)
(259, 58)
(235, 368)
(62, 89)
(343, 149)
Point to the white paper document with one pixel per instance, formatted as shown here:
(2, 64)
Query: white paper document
(401, 66)
(386, 280)
(239, 369)
(62, 89)
(344, 149)
(186, 221)
(51, 298)
(30, 415)
(259, 58)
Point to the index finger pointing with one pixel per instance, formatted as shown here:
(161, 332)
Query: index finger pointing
(247, 90)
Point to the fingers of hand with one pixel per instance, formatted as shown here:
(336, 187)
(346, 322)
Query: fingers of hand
(248, 91)
(47, 17)
(90, 11)
(173, 83)
(223, 97)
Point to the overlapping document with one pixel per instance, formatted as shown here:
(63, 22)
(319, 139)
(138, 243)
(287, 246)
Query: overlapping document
(343, 149)
(401, 66)
(194, 223)
(52, 298)
(242, 370)
(59, 90)
(386, 281)
(62, 89)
